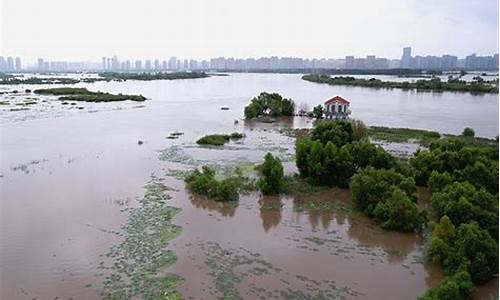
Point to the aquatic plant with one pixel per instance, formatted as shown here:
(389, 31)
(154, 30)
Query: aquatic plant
(136, 263)
(219, 139)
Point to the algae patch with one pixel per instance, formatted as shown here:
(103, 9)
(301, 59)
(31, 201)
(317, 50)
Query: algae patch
(134, 266)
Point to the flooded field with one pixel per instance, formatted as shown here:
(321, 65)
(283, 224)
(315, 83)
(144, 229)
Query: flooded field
(93, 204)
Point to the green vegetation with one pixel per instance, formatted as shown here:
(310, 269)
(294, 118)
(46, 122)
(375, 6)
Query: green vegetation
(331, 155)
(389, 197)
(456, 287)
(134, 269)
(434, 84)
(219, 139)
(337, 151)
(401, 135)
(204, 183)
(477, 165)
(82, 94)
(153, 76)
(462, 174)
(468, 132)
(266, 104)
(272, 179)
(37, 80)
(318, 111)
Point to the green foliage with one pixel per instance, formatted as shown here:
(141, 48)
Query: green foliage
(318, 111)
(388, 196)
(271, 104)
(402, 135)
(82, 94)
(398, 212)
(468, 132)
(469, 247)
(477, 165)
(272, 180)
(463, 203)
(338, 132)
(37, 80)
(204, 183)
(331, 157)
(456, 287)
(219, 139)
(433, 84)
(359, 130)
(438, 181)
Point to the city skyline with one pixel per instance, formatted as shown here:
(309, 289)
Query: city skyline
(200, 29)
(370, 62)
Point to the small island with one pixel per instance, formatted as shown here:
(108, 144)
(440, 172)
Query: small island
(11, 80)
(268, 105)
(82, 94)
(435, 84)
(152, 76)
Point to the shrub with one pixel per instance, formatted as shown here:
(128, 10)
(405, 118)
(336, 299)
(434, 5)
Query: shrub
(468, 132)
(204, 183)
(398, 212)
(359, 130)
(371, 186)
(456, 287)
(219, 139)
(463, 203)
(469, 247)
(272, 180)
(318, 111)
(337, 132)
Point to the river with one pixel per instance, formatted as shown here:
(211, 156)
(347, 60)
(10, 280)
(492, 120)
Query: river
(69, 171)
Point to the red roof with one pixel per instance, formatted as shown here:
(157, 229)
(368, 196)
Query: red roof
(337, 99)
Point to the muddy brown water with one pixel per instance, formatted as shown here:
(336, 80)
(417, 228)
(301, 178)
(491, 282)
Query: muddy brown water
(67, 175)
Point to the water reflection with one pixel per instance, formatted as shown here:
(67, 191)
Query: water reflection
(224, 208)
(270, 211)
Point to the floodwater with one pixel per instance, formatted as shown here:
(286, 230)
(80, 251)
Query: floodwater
(68, 174)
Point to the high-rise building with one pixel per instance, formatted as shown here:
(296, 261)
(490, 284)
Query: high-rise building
(157, 64)
(138, 65)
(349, 62)
(10, 63)
(18, 64)
(3, 64)
(147, 64)
(115, 63)
(104, 65)
(371, 62)
(406, 58)
(172, 63)
(40, 64)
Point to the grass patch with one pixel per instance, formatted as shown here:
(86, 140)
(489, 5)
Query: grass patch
(82, 94)
(402, 135)
(219, 139)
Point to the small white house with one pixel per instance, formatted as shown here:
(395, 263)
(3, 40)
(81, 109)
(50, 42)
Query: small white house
(337, 108)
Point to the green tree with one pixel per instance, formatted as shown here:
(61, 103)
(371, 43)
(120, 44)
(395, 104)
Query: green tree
(468, 132)
(398, 212)
(337, 132)
(272, 180)
(318, 111)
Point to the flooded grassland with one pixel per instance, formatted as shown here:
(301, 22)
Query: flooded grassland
(93, 203)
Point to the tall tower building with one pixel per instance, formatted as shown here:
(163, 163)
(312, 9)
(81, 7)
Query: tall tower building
(406, 58)
(18, 64)
(104, 67)
(10, 63)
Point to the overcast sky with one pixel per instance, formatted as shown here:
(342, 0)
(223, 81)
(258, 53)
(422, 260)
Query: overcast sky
(90, 29)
